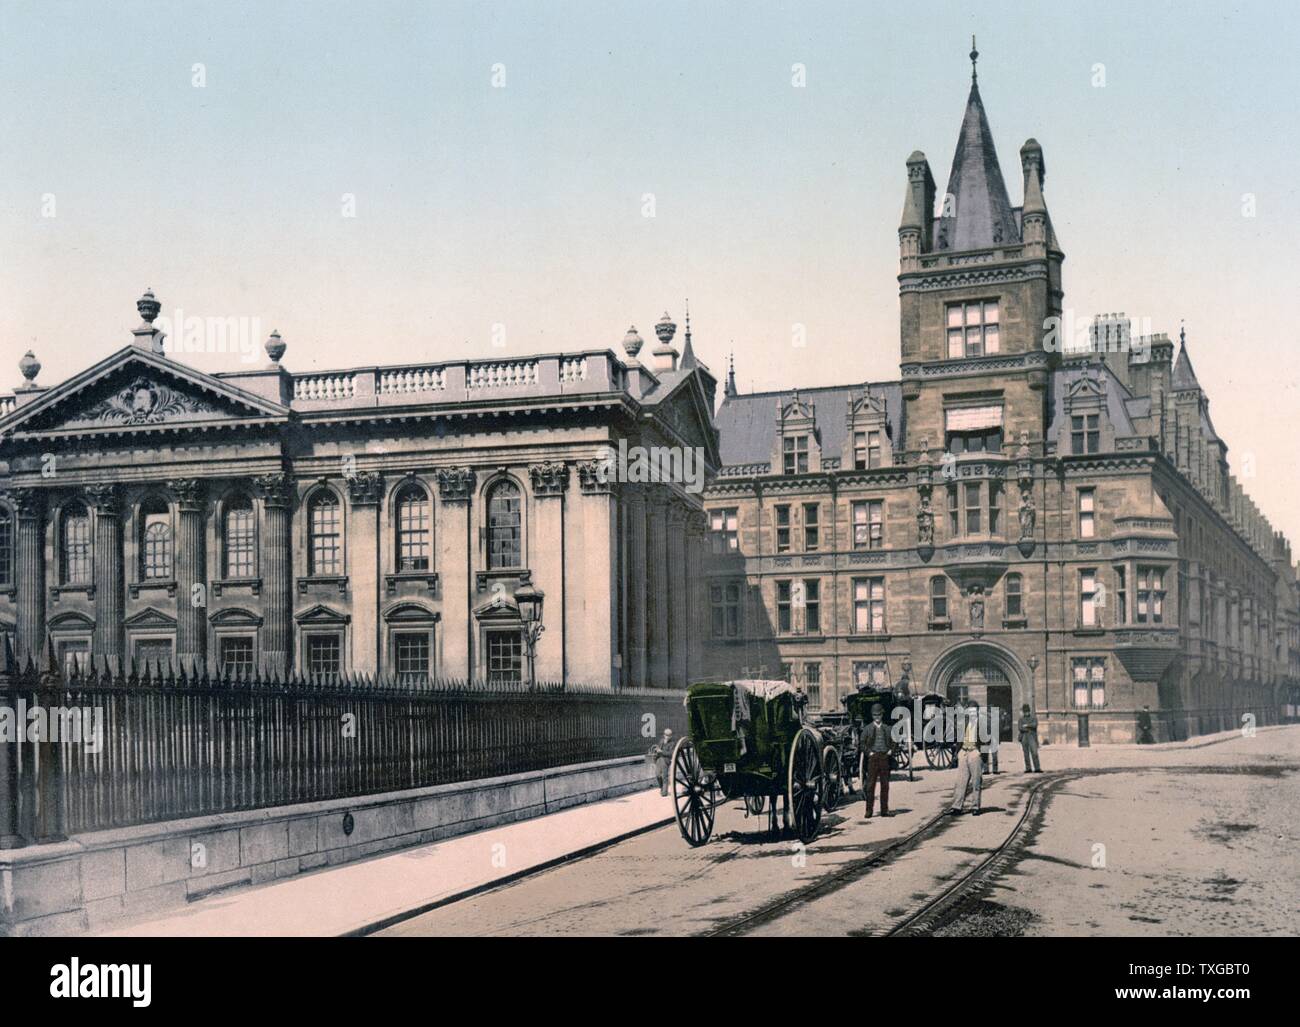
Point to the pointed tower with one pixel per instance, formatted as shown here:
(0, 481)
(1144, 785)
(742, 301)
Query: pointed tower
(979, 295)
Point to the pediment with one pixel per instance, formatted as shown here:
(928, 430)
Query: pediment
(235, 618)
(151, 618)
(71, 621)
(867, 406)
(320, 614)
(135, 390)
(411, 613)
(498, 608)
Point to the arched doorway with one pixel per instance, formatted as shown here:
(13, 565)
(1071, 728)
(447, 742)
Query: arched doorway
(988, 674)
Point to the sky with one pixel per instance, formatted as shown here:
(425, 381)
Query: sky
(398, 181)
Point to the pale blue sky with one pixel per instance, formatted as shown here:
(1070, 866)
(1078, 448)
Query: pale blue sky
(523, 205)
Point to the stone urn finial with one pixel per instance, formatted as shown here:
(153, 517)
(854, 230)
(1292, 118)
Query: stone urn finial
(30, 367)
(148, 306)
(275, 347)
(665, 329)
(632, 342)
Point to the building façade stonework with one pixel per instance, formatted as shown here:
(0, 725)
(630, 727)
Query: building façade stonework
(1006, 520)
(375, 520)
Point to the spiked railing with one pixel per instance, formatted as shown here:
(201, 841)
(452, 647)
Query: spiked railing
(159, 741)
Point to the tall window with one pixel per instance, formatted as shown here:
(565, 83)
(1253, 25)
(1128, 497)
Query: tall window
(6, 546)
(1151, 595)
(1088, 605)
(76, 549)
(237, 656)
(724, 601)
(155, 541)
(411, 655)
(782, 529)
(868, 524)
(1089, 682)
(811, 527)
(1015, 605)
(1121, 596)
(1087, 522)
(324, 655)
(325, 522)
(995, 507)
(866, 450)
(414, 533)
(972, 329)
(723, 525)
(784, 607)
(868, 606)
(812, 606)
(795, 452)
(974, 515)
(939, 598)
(505, 657)
(812, 679)
(1085, 436)
(505, 536)
(240, 538)
(954, 512)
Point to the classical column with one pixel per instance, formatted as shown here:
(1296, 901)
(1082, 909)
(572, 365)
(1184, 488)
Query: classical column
(29, 573)
(192, 602)
(697, 609)
(277, 570)
(454, 536)
(657, 590)
(109, 637)
(677, 596)
(636, 583)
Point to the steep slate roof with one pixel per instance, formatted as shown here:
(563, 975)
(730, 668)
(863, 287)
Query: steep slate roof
(748, 422)
(983, 216)
(1118, 396)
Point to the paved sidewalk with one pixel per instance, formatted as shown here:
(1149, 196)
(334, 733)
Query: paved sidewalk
(360, 896)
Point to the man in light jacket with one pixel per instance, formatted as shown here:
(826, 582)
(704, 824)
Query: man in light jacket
(970, 767)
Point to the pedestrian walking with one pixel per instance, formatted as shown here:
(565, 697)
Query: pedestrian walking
(970, 768)
(878, 744)
(1029, 740)
(661, 753)
(1144, 727)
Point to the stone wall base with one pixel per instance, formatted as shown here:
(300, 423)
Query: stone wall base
(95, 880)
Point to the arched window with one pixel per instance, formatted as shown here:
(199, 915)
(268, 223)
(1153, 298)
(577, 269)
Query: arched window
(75, 546)
(1015, 608)
(325, 528)
(504, 522)
(414, 529)
(939, 598)
(6, 546)
(155, 541)
(240, 537)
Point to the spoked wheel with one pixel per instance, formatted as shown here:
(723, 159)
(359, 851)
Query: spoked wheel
(903, 756)
(694, 794)
(805, 785)
(832, 787)
(754, 804)
(940, 755)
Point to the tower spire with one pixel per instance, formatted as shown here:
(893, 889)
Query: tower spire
(688, 353)
(974, 56)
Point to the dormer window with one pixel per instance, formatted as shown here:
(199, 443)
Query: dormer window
(972, 329)
(866, 450)
(795, 454)
(1085, 433)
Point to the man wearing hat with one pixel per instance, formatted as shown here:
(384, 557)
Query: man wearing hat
(877, 745)
(1029, 740)
(970, 769)
(660, 754)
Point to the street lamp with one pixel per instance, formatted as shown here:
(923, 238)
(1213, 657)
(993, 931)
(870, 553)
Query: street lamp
(529, 601)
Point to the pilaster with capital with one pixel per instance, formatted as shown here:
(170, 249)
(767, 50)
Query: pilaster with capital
(192, 602)
(109, 638)
(657, 598)
(677, 596)
(29, 572)
(633, 497)
(277, 635)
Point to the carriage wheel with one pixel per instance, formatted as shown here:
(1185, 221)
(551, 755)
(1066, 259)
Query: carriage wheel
(754, 804)
(805, 785)
(833, 787)
(694, 796)
(941, 755)
(903, 756)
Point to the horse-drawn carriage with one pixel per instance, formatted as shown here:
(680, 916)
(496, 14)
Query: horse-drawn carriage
(748, 740)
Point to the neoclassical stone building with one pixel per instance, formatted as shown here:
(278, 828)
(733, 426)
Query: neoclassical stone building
(368, 520)
(1006, 520)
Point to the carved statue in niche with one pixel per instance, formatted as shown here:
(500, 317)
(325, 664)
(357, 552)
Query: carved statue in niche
(925, 523)
(977, 608)
(1027, 515)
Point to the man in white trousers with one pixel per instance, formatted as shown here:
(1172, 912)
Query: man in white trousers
(970, 768)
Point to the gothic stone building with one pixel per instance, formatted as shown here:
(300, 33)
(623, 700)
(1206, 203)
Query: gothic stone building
(1005, 521)
(371, 520)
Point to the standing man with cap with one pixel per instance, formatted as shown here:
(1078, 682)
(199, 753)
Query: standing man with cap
(970, 767)
(662, 753)
(877, 745)
(1029, 740)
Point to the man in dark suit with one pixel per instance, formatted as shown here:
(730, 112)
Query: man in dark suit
(877, 745)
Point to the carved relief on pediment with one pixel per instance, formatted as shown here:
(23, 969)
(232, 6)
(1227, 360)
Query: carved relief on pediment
(140, 399)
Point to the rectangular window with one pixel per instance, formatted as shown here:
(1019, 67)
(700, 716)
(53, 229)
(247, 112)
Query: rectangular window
(870, 674)
(724, 601)
(784, 608)
(1088, 599)
(241, 542)
(782, 529)
(812, 606)
(974, 515)
(237, 656)
(1151, 595)
(1121, 596)
(868, 524)
(811, 527)
(812, 679)
(1015, 606)
(868, 606)
(973, 329)
(153, 652)
(938, 598)
(324, 656)
(411, 654)
(995, 508)
(723, 530)
(1085, 433)
(1087, 523)
(505, 657)
(77, 549)
(860, 451)
(74, 657)
(1089, 682)
(795, 451)
(326, 554)
(954, 512)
